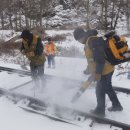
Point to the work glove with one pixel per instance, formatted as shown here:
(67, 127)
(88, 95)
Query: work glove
(30, 54)
(97, 77)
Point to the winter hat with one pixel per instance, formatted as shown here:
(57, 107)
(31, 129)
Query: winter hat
(92, 32)
(79, 33)
(26, 34)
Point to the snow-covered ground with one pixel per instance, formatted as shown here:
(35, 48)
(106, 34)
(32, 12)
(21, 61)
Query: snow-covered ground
(58, 91)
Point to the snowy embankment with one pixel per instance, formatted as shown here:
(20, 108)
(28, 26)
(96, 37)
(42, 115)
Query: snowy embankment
(13, 118)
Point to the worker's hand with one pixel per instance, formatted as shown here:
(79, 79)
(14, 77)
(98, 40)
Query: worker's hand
(45, 53)
(97, 77)
(30, 54)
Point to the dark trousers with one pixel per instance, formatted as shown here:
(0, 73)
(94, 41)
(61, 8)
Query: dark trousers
(51, 60)
(37, 72)
(104, 86)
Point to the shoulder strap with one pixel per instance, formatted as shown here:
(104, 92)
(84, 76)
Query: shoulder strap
(35, 39)
(91, 38)
(88, 42)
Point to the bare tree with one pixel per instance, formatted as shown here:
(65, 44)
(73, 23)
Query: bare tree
(110, 13)
(3, 4)
(120, 4)
(18, 14)
(127, 9)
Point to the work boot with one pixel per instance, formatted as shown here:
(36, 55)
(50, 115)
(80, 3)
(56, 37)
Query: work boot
(115, 108)
(86, 72)
(97, 112)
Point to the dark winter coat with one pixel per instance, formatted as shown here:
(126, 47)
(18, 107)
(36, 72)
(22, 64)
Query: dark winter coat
(33, 49)
(96, 57)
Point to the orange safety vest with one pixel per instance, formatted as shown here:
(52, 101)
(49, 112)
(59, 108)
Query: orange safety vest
(50, 48)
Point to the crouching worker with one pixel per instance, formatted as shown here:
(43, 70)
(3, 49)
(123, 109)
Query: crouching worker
(100, 69)
(32, 48)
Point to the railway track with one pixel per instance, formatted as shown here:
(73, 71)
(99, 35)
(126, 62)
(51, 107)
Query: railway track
(16, 97)
(28, 73)
(21, 85)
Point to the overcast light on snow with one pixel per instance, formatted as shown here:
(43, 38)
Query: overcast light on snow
(10, 112)
(58, 91)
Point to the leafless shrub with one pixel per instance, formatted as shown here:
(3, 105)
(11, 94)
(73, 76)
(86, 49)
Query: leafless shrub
(9, 48)
(71, 51)
(61, 37)
(58, 38)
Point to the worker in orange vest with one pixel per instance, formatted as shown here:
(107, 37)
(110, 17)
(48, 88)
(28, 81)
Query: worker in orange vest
(50, 50)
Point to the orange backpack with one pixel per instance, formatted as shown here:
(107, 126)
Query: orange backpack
(116, 46)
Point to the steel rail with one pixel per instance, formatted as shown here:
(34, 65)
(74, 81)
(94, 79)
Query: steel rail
(28, 73)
